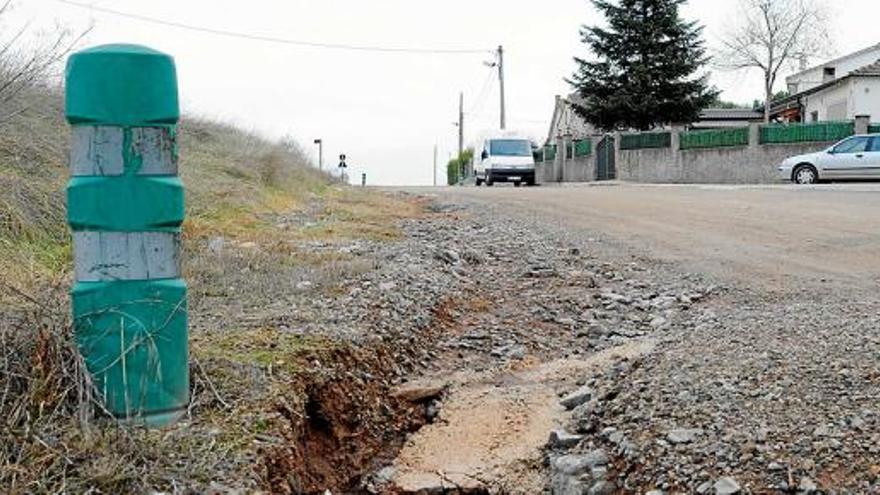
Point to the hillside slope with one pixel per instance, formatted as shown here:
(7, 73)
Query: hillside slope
(264, 231)
(231, 177)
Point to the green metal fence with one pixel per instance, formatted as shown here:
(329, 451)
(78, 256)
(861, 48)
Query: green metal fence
(645, 140)
(719, 138)
(583, 148)
(551, 152)
(874, 128)
(538, 155)
(803, 133)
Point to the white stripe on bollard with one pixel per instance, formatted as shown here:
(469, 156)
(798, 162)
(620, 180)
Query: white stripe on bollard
(107, 256)
(100, 151)
(156, 147)
(96, 151)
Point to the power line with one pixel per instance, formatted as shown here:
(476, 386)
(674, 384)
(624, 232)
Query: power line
(271, 39)
(484, 93)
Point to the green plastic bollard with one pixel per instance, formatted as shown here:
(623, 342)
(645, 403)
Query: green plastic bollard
(125, 206)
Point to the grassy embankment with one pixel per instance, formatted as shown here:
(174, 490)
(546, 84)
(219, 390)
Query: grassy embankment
(240, 188)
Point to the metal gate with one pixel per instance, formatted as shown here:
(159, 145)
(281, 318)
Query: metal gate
(605, 159)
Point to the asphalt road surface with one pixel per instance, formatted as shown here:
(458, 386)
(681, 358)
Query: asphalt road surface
(781, 237)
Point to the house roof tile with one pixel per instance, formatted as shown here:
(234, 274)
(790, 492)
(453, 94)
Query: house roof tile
(729, 114)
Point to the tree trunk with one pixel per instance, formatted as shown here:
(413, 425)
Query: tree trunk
(768, 100)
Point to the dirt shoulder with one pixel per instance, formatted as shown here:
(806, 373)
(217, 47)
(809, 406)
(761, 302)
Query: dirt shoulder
(293, 356)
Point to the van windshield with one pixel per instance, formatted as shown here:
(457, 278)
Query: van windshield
(510, 147)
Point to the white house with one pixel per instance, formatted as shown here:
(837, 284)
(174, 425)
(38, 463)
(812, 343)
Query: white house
(816, 76)
(837, 90)
(566, 123)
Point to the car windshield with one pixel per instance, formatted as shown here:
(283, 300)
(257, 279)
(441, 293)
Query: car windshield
(510, 147)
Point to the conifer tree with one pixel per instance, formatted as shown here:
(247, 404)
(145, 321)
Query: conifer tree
(646, 67)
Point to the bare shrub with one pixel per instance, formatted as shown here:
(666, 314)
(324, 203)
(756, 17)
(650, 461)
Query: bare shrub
(24, 65)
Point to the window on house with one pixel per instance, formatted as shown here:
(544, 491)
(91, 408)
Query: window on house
(830, 71)
(814, 116)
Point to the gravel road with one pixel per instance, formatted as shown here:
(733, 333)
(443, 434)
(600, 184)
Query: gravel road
(778, 236)
(759, 305)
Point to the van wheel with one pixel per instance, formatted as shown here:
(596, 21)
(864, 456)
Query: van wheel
(805, 174)
(490, 182)
(517, 183)
(479, 182)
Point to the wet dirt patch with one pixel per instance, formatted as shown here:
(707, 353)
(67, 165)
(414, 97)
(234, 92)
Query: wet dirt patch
(493, 426)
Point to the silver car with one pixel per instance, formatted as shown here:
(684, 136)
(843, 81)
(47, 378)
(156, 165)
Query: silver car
(856, 157)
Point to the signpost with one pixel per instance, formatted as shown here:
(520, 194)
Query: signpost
(125, 207)
(342, 167)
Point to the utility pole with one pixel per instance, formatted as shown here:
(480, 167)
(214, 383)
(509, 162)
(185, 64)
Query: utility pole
(461, 132)
(435, 165)
(460, 124)
(501, 85)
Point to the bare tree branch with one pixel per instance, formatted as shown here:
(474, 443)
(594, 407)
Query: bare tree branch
(23, 65)
(774, 35)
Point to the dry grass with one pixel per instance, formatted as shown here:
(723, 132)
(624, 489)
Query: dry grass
(235, 179)
(358, 214)
(241, 189)
(33, 236)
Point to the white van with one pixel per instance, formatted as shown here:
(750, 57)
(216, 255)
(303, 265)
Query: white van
(504, 157)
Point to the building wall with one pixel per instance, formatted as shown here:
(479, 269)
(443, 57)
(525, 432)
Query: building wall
(814, 77)
(566, 122)
(749, 164)
(571, 124)
(866, 96)
(734, 165)
(544, 173)
(824, 102)
(562, 169)
(580, 169)
(857, 95)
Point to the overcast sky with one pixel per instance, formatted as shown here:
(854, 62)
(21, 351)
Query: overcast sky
(384, 110)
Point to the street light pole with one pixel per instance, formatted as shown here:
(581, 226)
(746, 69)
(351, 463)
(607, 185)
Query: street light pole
(320, 144)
